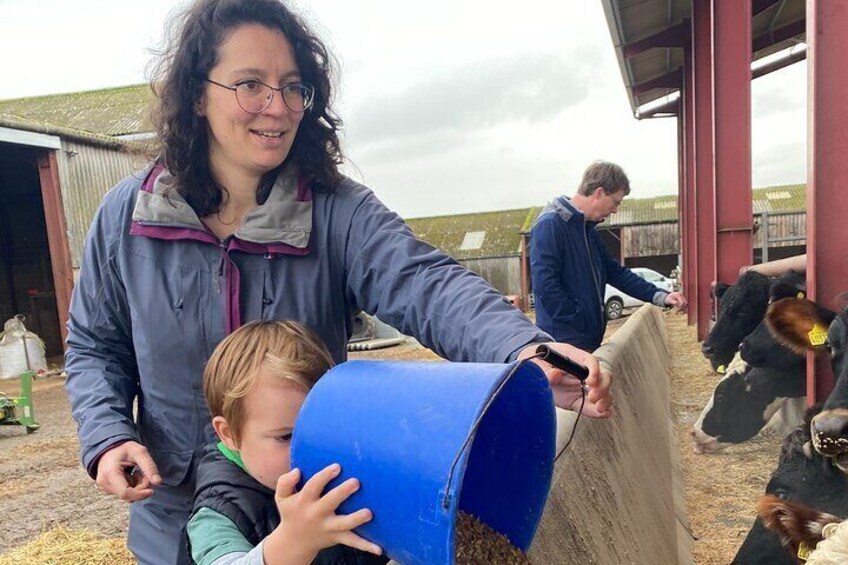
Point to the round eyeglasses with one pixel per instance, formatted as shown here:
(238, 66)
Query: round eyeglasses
(254, 96)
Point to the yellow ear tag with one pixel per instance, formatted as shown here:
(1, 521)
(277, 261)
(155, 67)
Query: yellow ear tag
(818, 335)
(801, 295)
(804, 551)
(721, 370)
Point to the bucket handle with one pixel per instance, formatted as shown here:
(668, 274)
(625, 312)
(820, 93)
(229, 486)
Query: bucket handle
(544, 353)
(446, 500)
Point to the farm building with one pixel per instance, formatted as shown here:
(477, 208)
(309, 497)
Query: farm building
(58, 155)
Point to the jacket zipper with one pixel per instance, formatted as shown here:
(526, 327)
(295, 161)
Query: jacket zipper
(592, 267)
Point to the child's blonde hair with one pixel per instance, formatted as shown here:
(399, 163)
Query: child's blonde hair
(287, 350)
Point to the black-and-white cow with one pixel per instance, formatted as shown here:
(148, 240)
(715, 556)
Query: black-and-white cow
(746, 400)
(742, 307)
(801, 476)
(812, 468)
(804, 325)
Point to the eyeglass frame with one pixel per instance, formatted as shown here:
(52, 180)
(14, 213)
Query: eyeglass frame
(280, 89)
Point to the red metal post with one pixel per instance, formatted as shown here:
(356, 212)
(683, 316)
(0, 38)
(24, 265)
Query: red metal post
(690, 256)
(731, 21)
(57, 237)
(702, 49)
(827, 166)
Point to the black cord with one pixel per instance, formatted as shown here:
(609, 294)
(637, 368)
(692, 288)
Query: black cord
(574, 427)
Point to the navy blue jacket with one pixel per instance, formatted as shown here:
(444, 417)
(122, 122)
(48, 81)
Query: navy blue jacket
(570, 268)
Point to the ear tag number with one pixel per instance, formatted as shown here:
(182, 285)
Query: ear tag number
(818, 335)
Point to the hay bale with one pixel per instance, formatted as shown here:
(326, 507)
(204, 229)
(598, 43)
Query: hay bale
(64, 546)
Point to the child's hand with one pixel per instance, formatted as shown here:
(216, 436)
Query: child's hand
(308, 521)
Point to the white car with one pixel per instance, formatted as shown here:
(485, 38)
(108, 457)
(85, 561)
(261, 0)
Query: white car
(616, 301)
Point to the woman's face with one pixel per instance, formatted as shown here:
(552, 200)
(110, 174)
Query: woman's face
(241, 143)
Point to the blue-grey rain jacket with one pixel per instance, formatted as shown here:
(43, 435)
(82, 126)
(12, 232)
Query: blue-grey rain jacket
(157, 292)
(570, 268)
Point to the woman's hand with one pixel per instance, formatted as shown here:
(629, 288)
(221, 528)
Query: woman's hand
(567, 388)
(128, 471)
(308, 521)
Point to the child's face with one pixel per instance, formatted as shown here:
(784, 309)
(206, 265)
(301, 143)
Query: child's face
(270, 408)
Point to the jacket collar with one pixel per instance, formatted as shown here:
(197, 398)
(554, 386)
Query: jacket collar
(284, 218)
(566, 210)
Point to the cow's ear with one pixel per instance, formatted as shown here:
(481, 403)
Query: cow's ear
(780, 290)
(799, 324)
(719, 289)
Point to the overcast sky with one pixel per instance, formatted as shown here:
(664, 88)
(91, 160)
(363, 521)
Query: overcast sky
(449, 106)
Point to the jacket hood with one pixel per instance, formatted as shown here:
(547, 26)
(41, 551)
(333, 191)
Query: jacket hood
(285, 217)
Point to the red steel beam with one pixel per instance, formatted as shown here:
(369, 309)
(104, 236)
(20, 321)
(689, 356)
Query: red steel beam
(827, 167)
(57, 237)
(702, 48)
(690, 259)
(731, 23)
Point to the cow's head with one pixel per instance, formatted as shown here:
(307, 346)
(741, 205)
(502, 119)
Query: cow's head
(801, 476)
(761, 349)
(741, 308)
(805, 325)
(742, 404)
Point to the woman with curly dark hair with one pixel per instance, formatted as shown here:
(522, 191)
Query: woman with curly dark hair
(244, 216)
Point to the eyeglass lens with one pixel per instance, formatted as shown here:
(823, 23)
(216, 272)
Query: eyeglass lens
(255, 97)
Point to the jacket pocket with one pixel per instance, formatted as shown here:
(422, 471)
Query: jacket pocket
(173, 465)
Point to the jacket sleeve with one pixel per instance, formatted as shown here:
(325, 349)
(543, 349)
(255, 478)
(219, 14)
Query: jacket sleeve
(424, 293)
(547, 255)
(100, 361)
(628, 282)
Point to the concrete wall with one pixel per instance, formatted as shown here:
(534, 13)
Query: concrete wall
(616, 494)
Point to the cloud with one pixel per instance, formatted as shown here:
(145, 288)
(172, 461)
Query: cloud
(478, 96)
(783, 163)
(776, 101)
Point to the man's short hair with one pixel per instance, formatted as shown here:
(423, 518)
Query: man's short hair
(288, 351)
(604, 174)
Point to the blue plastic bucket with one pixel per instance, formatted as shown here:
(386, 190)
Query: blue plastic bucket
(428, 439)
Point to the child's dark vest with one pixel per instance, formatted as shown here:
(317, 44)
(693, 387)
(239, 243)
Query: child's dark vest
(228, 490)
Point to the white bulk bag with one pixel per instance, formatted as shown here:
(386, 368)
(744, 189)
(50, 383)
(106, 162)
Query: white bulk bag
(13, 356)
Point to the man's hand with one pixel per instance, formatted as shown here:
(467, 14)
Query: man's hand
(128, 471)
(567, 388)
(676, 300)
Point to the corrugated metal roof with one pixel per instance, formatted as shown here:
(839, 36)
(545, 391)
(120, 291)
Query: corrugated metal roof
(501, 232)
(780, 199)
(111, 111)
(18, 123)
(649, 35)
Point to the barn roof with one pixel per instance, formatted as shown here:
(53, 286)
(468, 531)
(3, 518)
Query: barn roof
(782, 199)
(110, 112)
(470, 236)
(498, 234)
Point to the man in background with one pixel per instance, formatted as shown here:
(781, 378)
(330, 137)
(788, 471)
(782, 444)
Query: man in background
(571, 267)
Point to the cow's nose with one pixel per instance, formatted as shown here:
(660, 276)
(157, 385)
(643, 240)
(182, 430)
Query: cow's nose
(707, 349)
(830, 432)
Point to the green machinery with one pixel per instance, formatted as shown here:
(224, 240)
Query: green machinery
(18, 411)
